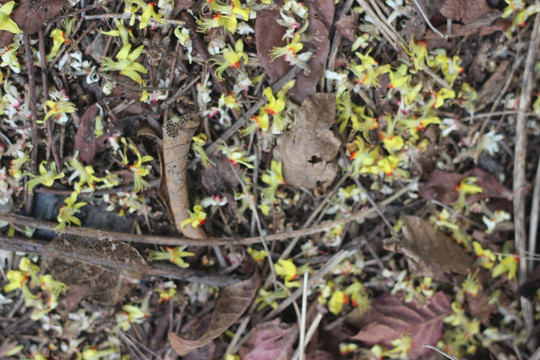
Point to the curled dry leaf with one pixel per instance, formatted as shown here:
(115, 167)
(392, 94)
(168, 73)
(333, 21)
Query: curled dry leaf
(391, 317)
(233, 301)
(104, 268)
(429, 252)
(309, 138)
(271, 340)
(31, 15)
(177, 135)
(86, 142)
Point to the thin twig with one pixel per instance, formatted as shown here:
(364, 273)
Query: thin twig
(44, 74)
(533, 222)
(179, 241)
(155, 269)
(520, 152)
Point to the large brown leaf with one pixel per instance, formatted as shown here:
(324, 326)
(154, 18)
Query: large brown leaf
(268, 34)
(429, 252)
(231, 305)
(391, 317)
(271, 340)
(308, 151)
(177, 134)
(86, 142)
(30, 15)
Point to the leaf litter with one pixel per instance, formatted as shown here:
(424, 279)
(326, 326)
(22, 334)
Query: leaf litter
(458, 290)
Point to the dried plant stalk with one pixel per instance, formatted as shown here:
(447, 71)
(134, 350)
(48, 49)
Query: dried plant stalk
(177, 135)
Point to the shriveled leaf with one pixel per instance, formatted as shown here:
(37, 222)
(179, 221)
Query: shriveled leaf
(480, 307)
(177, 135)
(104, 270)
(429, 252)
(220, 177)
(442, 186)
(306, 84)
(268, 35)
(271, 340)
(234, 300)
(31, 15)
(309, 138)
(86, 142)
(391, 317)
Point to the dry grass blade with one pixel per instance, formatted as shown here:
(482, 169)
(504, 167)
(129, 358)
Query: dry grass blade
(177, 134)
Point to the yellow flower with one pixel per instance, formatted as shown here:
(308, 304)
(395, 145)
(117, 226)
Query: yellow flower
(59, 39)
(273, 178)
(58, 108)
(197, 217)
(287, 270)
(486, 257)
(126, 64)
(5, 22)
(16, 280)
(336, 302)
(174, 255)
(232, 58)
(45, 177)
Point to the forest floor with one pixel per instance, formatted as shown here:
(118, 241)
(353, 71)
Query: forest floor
(249, 179)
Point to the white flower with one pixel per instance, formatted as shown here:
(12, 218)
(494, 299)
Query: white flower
(497, 218)
(449, 125)
(243, 29)
(489, 142)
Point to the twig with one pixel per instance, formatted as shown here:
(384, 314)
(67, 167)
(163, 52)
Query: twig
(33, 100)
(162, 270)
(520, 147)
(302, 343)
(533, 222)
(439, 351)
(163, 240)
(44, 73)
(426, 19)
(520, 150)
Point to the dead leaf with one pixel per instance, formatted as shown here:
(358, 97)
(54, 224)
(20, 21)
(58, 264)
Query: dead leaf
(442, 186)
(177, 134)
(86, 142)
(391, 317)
(310, 136)
(468, 12)
(271, 340)
(429, 252)
(269, 34)
(233, 301)
(106, 281)
(347, 26)
(219, 177)
(31, 15)
(479, 306)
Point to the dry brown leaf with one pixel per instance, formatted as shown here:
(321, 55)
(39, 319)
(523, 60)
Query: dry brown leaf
(429, 252)
(391, 317)
(310, 138)
(177, 135)
(347, 26)
(271, 340)
(86, 142)
(467, 11)
(269, 34)
(104, 268)
(233, 301)
(31, 15)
